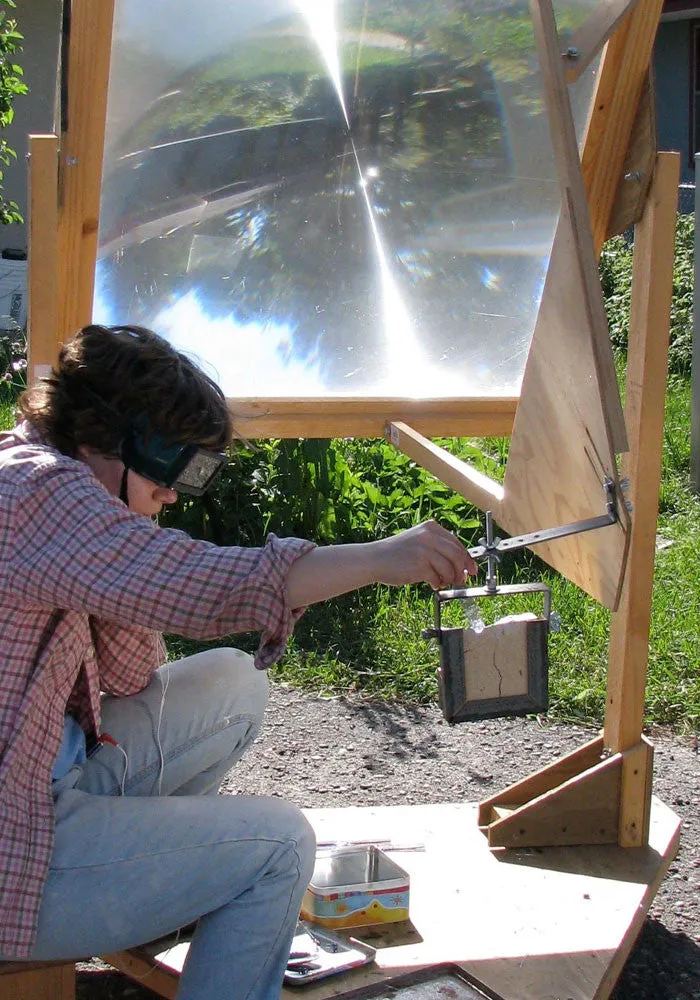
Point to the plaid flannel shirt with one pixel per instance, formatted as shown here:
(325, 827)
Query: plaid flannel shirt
(86, 587)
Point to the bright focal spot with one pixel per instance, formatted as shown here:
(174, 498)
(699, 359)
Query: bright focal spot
(318, 198)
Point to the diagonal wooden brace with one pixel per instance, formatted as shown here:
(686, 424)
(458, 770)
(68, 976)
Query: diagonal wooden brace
(575, 800)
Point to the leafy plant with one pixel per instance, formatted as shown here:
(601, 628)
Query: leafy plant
(11, 86)
(616, 278)
(13, 364)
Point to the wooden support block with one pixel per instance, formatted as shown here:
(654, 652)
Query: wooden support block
(583, 810)
(583, 798)
(620, 80)
(37, 981)
(638, 168)
(543, 780)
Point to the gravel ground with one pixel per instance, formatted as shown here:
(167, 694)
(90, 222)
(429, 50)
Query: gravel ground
(333, 752)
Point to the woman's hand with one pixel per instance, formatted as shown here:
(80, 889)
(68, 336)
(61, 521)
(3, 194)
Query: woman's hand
(424, 554)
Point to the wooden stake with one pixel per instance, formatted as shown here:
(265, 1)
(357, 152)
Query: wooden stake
(81, 160)
(42, 312)
(647, 361)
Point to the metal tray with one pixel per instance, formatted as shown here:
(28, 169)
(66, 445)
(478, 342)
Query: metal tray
(434, 983)
(317, 953)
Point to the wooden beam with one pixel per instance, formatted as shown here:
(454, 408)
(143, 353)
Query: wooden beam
(455, 473)
(143, 967)
(647, 362)
(620, 79)
(585, 43)
(42, 311)
(340, 416)
(81, 160)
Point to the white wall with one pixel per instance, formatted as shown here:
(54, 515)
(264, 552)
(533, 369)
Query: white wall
(39, 21)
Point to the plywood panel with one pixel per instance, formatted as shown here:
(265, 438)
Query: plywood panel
(499, 914)
(560, 452)
(569, 422)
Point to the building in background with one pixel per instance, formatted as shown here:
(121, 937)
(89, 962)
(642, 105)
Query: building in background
(677, 82)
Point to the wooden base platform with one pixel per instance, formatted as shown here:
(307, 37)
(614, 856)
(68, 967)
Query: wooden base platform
(532, 924)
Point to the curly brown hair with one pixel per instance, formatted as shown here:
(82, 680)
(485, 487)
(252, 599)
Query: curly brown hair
(107, 377)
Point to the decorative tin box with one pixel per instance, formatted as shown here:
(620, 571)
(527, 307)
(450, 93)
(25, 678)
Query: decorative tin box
(356, 887)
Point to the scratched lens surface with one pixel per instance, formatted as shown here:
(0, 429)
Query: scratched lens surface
(340, 198)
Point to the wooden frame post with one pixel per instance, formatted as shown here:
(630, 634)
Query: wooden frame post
(82, 145)
(647, 363)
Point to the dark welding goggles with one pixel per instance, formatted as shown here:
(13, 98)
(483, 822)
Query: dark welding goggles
(185, 468)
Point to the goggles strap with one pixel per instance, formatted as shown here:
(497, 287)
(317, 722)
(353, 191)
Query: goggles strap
(124, 487)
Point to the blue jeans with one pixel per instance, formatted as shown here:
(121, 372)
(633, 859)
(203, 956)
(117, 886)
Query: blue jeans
(144, 845)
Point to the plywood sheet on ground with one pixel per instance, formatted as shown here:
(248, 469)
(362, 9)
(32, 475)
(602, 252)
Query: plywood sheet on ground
(532, 924)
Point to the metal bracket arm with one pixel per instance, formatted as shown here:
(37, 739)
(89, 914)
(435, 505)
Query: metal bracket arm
(490, 548)
(493, 547)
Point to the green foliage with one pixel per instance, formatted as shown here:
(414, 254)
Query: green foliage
(616, 278)
(13, 364)
(11, 86)
(331, 491)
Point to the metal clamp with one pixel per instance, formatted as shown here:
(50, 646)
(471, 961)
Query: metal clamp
(440, 597)
(490, 548)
